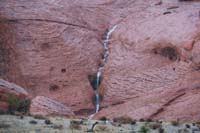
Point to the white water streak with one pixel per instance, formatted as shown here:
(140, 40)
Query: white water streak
(106, 54)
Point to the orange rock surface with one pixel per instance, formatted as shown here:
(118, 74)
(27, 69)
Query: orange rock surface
(153, 70)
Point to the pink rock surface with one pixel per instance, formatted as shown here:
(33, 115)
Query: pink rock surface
(12, 89)
(41, 105)
(153, 69)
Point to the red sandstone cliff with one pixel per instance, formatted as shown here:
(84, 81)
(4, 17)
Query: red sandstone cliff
(153, 70)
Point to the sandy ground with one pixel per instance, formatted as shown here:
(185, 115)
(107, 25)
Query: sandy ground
(19, 124)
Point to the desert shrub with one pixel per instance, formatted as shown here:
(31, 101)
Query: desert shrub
(53, 87)
(155, 126)
(123, 120)
(143, 129)
(16, 104)
(47, 121)
(24, 105)
(187, 126)
(13, 102)
(33, 122)
(75, 125)
(174, 123)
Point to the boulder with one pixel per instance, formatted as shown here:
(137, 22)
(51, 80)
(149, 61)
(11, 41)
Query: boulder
(8, 88)
(48, 107)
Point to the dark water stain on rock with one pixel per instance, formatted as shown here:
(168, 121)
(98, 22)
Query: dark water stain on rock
(4, 58)
(93, 81)
(169, 52)
(45, 46)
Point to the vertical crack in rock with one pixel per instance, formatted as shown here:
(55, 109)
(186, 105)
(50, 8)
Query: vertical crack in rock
(95, 81)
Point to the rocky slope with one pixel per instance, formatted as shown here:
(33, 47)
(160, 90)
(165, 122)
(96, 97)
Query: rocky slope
(51, 46)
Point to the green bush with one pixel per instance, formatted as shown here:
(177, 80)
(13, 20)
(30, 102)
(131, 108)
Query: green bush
(24, 105)
(16, 104)
(13, 102)
(144, 129)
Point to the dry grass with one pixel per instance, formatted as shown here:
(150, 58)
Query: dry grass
(101, 128)
(123, 120)
(75, 125)
(40, 117)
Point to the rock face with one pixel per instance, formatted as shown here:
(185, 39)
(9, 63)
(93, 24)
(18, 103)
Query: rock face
(153, 70)
(45, 106)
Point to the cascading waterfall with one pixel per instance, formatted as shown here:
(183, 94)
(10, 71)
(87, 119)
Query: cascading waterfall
(100, 68)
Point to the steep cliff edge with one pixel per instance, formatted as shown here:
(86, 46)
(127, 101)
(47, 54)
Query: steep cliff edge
(153, 70)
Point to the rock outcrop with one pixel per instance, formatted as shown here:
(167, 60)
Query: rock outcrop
(12, 89)
(8, 89)
(47, 107)
(153, 69)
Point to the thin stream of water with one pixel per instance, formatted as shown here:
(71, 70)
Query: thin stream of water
(99, 72)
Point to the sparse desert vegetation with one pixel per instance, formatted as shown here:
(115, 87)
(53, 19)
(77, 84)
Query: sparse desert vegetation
(16, 104)
(75, 125)
(144, 129)
(175, 123)
(123, 120)
(59, 124)
(53, 87)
